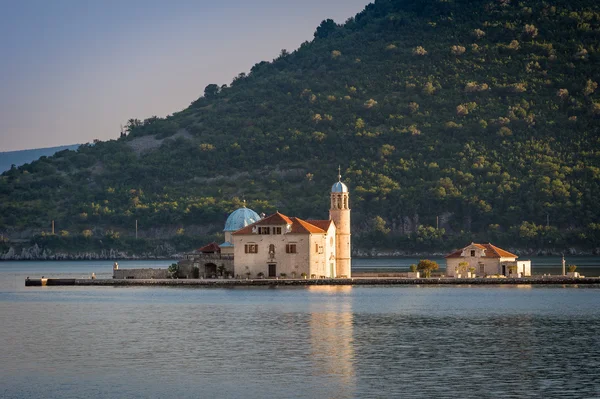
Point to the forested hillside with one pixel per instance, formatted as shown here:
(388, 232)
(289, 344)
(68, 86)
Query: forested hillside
(480, 117)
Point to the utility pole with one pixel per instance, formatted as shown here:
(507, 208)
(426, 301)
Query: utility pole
(136, 229)
(53, 227)
(437, 222)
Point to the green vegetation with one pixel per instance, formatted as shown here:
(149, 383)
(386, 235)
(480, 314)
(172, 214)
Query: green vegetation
(427, 266)
(454, 121)
(173, 270)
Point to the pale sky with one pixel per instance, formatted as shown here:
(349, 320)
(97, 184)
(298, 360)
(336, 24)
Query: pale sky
(72, 71)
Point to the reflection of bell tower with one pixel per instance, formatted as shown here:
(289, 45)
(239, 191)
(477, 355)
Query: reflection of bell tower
(339, 212)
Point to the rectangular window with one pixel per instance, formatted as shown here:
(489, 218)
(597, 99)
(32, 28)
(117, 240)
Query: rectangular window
(472, 252)
(317, 248)
(276, 230)
(251, 248)
(290, 248)
(264, 230)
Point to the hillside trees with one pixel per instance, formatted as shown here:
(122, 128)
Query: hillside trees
(493, 123)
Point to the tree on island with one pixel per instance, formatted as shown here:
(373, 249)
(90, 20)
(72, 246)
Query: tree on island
(426, 266)
(173, 270)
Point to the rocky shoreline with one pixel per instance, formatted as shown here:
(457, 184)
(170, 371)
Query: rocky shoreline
(36, 253)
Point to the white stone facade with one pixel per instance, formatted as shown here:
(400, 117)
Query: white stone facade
(486, 260)
(278, 244)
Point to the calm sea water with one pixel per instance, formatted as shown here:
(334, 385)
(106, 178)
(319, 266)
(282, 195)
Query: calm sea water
(308, 342)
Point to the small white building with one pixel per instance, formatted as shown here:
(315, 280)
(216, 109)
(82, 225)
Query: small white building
(485, 260)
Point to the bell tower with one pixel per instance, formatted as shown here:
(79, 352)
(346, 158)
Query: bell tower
(339, 212)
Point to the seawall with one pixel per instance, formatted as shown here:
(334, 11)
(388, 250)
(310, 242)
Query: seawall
(301, 282)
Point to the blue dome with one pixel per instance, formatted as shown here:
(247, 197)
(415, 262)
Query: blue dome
(240, 218)
(339, 187)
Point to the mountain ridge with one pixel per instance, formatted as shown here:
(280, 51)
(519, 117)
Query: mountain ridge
(21, 157)
(453, 121)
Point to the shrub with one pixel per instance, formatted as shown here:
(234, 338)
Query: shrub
(428, 88)
(581, 54)
(319, 136)
(472, 87)
(457, 50)
(452, 125)
(419, 50)
(572, 268)
(413, 107)
(464, 109)
(504, 131)
(530, 30)
(335, 54)
(173, 270)
(563, 94)
(427, 266)
(590, 87)
(370, 103)
(461, 110)
(478, 33)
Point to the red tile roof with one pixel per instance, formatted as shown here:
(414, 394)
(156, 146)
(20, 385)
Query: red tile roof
(322, 224)
(274, 219)
(300, 226)
(499, 251)
(491, 251)
(210, 248)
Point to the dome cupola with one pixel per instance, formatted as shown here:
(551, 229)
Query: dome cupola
(240, 218)
(339, 187)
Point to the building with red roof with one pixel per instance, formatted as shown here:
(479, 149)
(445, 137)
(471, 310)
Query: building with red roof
(485, 260)
(278, 244)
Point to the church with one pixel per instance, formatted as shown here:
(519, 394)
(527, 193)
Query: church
(282, 246)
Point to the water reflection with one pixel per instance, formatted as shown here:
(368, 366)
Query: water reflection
(321, 342)
(331, 339)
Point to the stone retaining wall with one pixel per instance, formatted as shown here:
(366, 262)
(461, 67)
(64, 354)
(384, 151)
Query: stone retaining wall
(350, 281)
(140, 274)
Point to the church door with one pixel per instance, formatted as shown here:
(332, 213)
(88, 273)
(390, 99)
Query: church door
(272, 270)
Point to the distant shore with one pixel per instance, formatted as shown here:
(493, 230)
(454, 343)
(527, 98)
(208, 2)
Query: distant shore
(35, 254)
